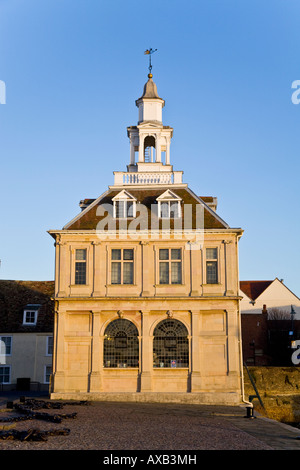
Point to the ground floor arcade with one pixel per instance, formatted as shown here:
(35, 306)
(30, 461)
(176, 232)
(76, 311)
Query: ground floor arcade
(107, 347)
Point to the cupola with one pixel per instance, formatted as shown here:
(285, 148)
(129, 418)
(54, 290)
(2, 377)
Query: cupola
(150, 104)
(150, 141)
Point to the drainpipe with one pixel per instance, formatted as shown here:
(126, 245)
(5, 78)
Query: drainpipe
(248, 403)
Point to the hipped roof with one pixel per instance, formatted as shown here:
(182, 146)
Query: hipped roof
(88, 219)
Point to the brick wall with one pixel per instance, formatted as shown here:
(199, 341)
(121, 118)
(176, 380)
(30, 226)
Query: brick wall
(255, 339)
(267, 342)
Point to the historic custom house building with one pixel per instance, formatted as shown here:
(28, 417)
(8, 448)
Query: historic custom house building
(147, 285)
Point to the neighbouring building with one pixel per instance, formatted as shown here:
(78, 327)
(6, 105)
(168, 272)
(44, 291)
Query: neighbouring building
(147, 285)
(270, 314)
(259, 295)
(26, 334)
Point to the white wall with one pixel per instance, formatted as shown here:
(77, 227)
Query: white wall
(29, 356)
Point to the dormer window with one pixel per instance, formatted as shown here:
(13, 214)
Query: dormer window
(124, 209)
(169, 205)
(30, 315)
(169, 210)
(124, 205)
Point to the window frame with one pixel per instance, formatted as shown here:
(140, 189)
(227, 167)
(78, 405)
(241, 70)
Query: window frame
(80, 262)
(47, 366)
(125, 198)
(168, 349)
(6, 354)
(49, 346)
(121, 261)
(170, 260)
(212, 260)
(117, 354)
(169, 202)
(125, 209)
(3, 366)
(169, 198)
(30, 311)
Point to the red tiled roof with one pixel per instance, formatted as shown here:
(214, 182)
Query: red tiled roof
(253, 289)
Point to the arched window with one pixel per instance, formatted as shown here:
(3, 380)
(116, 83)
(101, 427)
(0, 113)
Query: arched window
(121, 344)
(170, 344)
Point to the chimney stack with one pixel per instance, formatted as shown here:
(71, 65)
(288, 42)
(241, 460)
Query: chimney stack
(264, 309)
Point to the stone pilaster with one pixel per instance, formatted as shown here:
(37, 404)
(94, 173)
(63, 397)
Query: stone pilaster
(146, 354)
(147, 269)
(233, 353)
(63, 267)
(59, 353)
(195, 352)
(95, 382)
(98, 271)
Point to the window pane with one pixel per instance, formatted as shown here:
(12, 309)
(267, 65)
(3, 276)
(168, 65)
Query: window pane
(164, 273)
(4, 375)
(5, 345)
(50, 345)
(211, 272)
(128, 273)
(116, 254)
(80, 273)
(174, 209)
(211, 253)
(129, 209)
(170, 345)
(30, 317)
(164, 209)
(164, 254)
(120, 209)
(121, 340)
(176, 273)
(170, 342)
(116, 273)
(7, 341)
(48, 373)
(128, 254)
(121, 344)
(81, 254)
(176, 253)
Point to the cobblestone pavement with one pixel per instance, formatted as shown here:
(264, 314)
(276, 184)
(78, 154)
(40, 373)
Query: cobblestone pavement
(145, 426)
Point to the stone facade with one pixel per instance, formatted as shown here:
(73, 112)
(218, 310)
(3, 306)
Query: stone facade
(146, 285)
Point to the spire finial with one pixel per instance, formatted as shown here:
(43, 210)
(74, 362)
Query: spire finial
(150, 52)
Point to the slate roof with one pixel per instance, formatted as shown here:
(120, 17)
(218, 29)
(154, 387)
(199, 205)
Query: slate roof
(15, 295)
(89, 219)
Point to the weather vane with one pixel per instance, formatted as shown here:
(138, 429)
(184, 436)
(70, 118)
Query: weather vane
(150, 52)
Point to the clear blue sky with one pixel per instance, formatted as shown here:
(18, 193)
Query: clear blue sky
(73, 70)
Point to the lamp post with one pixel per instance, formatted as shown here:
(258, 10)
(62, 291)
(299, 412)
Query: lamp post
(292, 315)
(291, 333)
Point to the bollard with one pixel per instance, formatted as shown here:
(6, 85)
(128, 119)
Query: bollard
(250, 411)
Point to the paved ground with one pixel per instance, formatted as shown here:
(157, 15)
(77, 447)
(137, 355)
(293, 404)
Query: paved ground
(152, 427)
